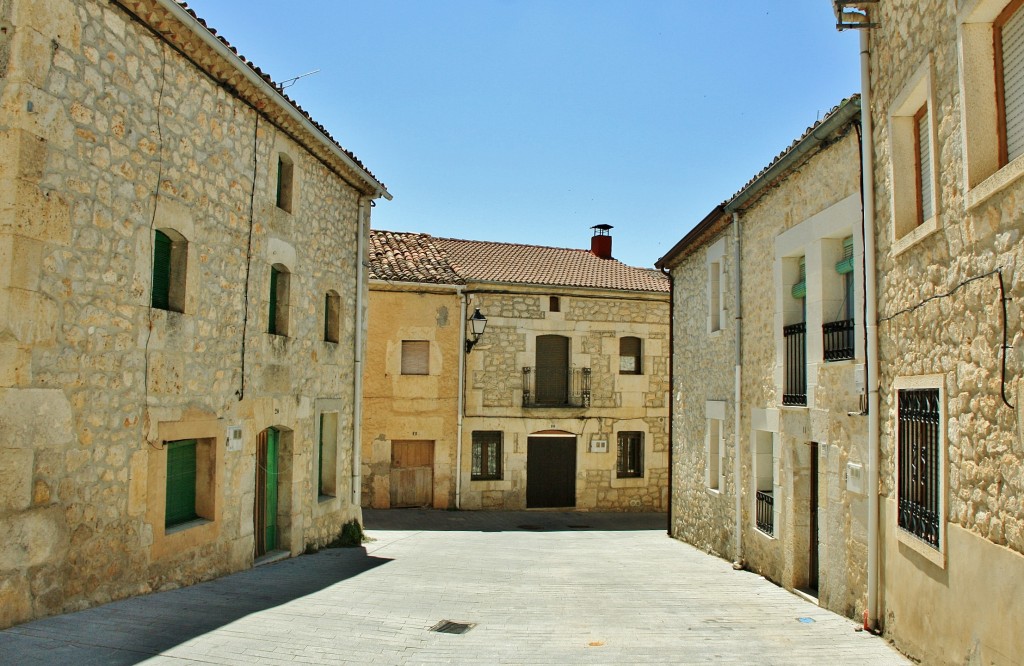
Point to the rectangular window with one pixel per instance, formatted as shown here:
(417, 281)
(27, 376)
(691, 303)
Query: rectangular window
(919, 474)
(554, 304)
(764, 479)
(332, 318)
(630, 356)
(486, 455)
(714, 452)
(285, 173)
(923, 164)
(630, 460)
(714, 297)
(415, 357)
(327, 460)
(839, 343)
(180, 504)
(277, 322)
(170, 258)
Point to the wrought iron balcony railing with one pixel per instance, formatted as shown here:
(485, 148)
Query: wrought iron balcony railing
(794, 391)
(556, 387)
(838, 339)
(765, 512)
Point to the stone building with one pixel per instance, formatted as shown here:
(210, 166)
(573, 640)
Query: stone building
(181, 307)
(944, 97)
(768, 437)
(559, 403)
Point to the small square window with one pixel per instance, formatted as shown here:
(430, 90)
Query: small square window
(415, 357)
(486, 465)
(630, 459)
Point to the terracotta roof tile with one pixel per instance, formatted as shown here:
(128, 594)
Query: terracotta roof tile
(411, 257)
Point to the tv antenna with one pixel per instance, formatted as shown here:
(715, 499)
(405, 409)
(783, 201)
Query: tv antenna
(287, 83)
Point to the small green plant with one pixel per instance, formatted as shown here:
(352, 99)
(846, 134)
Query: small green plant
(351, 534)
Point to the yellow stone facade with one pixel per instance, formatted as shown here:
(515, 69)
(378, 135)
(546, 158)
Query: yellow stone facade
(108, 135)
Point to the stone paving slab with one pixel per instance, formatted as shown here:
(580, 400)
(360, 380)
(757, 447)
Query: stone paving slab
(540, 588)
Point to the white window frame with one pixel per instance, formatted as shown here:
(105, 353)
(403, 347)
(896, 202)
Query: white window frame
(714, 446)
(717, 313)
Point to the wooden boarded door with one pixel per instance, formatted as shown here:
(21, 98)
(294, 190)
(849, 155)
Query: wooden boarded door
(412, 473)
(265, 509)
(550, 472)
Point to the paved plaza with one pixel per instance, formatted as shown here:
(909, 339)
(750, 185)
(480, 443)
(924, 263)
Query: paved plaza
(533, 588)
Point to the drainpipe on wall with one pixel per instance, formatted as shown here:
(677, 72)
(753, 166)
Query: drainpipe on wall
(462, 400)
(357, 381)
(871, 322)
(671, 387)
(738, 488)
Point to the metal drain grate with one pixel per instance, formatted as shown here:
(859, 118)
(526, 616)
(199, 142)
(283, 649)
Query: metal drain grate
(449, 627)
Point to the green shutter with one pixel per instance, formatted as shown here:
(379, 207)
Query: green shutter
(800, 288)
(270, 538)
(181, 482)
(320, 467)
(272, 325)
(162, 271)
(845, 265)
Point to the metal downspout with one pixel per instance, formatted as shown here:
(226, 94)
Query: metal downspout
(671, 388)
(737, 485)
(357, 380)
(462, 400)
(871, 323)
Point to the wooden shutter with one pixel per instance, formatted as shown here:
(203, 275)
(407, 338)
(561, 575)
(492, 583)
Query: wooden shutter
(629, 356)
(552, 369)
(180, 506)
(800, 288)
(161, 271)
(1011, 64)
(415, 357)
(923, 150)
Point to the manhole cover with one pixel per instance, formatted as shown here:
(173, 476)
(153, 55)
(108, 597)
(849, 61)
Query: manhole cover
(449, 627)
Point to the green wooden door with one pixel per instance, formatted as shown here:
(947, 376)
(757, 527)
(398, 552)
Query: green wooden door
(265, 511)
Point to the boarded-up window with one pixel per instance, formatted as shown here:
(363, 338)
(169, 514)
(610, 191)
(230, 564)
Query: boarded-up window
(415, 357)
(1010, 81)
(629, 356)
(486, 455)
(552, 383)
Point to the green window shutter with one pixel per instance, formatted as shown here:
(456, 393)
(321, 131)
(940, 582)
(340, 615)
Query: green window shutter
(845, 265)
(181, 482)
(162, 271)
(272, 325)
(800, 288)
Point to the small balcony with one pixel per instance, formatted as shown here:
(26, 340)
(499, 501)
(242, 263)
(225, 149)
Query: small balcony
(765, 519)
(838, 340)
(794, 390)
(556, 387)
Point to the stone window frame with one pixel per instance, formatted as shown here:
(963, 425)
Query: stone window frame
(936, 556)
(717, 311)
(907, 224)
(210, 437)
(984, 174)
(176, 269)
(714, 446)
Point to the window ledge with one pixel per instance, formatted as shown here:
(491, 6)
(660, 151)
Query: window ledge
(181, 527)
(922, 231)
(628, 482)
(996, 183)
(764, 535)
(925, 550)
(324, 499)
(715, 333)
(714, 492)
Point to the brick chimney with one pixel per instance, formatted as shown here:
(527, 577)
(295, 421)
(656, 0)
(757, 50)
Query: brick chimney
(601, 242)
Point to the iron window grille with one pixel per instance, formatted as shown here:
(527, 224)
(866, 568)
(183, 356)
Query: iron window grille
(919, 480)
(576, 393)
(486, 455)
(630, 459)
(795, 387)
(765, 507)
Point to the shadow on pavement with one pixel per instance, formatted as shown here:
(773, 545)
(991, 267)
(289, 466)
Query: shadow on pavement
(438, 520)
(133, 630)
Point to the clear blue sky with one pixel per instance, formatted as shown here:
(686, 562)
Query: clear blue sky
(529, 121)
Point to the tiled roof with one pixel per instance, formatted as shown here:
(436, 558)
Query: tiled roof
(410, 257)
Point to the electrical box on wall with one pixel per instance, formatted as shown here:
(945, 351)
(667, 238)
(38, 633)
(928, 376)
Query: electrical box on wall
(859, 377)
(599, 446)
(234, 438)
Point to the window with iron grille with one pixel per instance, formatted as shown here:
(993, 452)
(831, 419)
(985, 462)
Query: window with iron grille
(486, 455)
(415, 357)
(630, 463)
(630, 356)
(919, 473)
(180, 506)
(839, 343)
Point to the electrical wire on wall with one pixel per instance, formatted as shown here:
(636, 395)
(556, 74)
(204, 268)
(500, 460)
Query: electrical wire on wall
(998, 271)
(152, 230)
(248, 253)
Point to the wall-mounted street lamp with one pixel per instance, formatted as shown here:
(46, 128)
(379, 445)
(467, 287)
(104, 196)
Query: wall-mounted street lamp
(477, 325)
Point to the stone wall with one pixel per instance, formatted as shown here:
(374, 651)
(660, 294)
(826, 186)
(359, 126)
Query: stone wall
(108, 134)
(594, 322)
(956, 337)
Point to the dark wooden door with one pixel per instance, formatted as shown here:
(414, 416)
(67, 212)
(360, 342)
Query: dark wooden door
(550, 472)
(412, 473)
(552, 370)
(812, 559)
